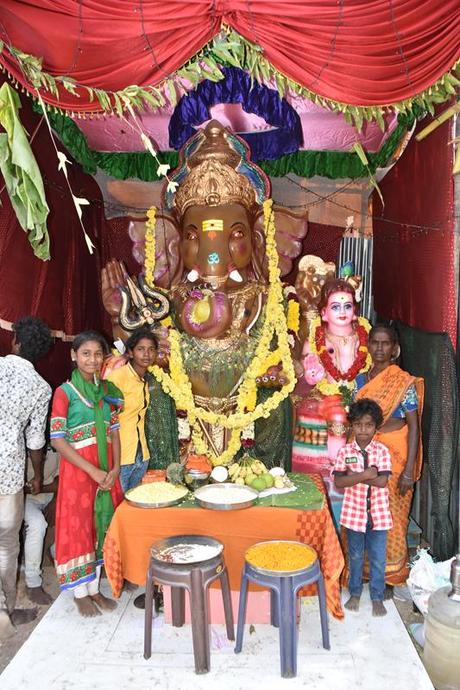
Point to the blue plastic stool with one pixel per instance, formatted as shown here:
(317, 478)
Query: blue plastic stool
(283, 611)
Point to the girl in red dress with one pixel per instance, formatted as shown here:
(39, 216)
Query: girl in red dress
(84, 430)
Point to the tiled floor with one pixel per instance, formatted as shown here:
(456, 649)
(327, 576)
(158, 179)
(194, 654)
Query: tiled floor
(66, 652)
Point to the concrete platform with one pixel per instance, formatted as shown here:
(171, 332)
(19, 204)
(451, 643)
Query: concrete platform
(66, 652)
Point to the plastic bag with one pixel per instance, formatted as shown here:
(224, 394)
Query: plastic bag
(426, 577)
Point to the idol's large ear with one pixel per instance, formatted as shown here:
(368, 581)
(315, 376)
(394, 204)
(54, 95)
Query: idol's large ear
(168, 262)
(136, 197)
(291, 228)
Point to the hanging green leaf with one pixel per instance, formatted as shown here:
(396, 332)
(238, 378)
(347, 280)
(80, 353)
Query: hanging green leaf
(22, 175)
(171, 86)
(118, 105)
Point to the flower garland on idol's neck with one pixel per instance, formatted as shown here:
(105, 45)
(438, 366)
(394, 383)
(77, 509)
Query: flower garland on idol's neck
(177, 383)
(362, 362)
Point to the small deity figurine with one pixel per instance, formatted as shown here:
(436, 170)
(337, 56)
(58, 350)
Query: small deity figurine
(313, 272)
(333, 355)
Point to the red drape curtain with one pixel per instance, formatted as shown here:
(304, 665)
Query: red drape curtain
(414, 264)
(64, 291)
(360, 52)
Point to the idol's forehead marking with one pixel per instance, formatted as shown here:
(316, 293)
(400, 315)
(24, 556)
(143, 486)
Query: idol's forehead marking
(212, 225)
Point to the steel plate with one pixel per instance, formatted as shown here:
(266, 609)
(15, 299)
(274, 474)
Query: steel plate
(201, 500)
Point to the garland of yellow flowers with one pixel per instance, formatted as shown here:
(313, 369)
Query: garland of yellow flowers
(177, 384)
(149, 261)
(324, 386)
(293, 316)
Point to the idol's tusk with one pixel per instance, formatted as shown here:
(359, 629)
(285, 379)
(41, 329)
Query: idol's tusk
(193, 275)
(236, 276)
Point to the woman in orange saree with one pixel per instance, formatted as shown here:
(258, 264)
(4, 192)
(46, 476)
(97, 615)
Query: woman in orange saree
(400, 396)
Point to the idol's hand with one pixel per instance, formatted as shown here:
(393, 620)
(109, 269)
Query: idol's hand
(314, 370)
(113, 277)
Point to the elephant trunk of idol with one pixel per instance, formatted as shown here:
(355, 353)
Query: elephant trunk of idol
(206, 314)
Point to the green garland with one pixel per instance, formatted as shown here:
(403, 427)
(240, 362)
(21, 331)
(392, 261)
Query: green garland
(227, 49)
(141, 165)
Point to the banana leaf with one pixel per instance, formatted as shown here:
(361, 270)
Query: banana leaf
(22, 175)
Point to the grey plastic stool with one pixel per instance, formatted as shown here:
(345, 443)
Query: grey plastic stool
(283, 610)
(195, 578)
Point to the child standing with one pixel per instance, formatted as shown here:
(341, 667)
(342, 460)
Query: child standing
(362, 468)
(84, 431)
(141, 348)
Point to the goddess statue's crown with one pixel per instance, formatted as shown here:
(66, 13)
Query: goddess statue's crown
(215, 169)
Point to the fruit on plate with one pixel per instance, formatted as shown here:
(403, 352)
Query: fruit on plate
(247, 469)
(219, 474)
(277, 472)
(258, 484)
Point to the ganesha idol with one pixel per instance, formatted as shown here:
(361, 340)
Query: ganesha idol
(333, 355)
(215, 255)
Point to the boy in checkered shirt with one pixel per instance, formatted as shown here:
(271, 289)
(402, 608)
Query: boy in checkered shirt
(362, 468)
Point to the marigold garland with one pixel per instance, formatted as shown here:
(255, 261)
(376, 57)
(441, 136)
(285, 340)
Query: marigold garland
(293, 315)
(178, 385)
(149, 261)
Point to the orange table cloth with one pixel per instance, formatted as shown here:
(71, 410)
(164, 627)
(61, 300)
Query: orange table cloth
(133, 531)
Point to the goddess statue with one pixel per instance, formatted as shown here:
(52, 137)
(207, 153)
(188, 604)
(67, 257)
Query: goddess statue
(333, 355)
(215, 255)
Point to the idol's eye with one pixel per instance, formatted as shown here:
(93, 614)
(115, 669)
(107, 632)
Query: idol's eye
(191, 234)
(238, 231)
(348, 306)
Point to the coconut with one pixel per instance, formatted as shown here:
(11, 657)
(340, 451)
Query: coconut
(277, 472)
(219, 474)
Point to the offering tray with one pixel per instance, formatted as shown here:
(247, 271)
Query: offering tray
(155, 495)
(208, 496)
(200, 549)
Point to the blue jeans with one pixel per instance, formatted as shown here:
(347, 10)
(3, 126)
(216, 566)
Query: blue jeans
(374, 541)
(131, 475)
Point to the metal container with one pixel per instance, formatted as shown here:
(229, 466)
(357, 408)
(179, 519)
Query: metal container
(192, 539)
(283, 573)
(442, 634)
(200, 497)
(164, 504)
(195, 478)
(454, 594)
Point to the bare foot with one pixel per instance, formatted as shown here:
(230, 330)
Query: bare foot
(22, 616)
(388, 593)
(103, 602)
(86, 607)
(352, 604)
(39, 596)
(7, 629)
(378, 608)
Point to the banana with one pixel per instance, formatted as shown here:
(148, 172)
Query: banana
(233, 470)
(243, 472)
(239, 480)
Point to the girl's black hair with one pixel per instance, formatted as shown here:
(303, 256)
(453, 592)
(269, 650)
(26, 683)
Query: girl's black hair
(87, 336)
(33, 336)
(365, 406)
(389, 330)
(138, 335)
